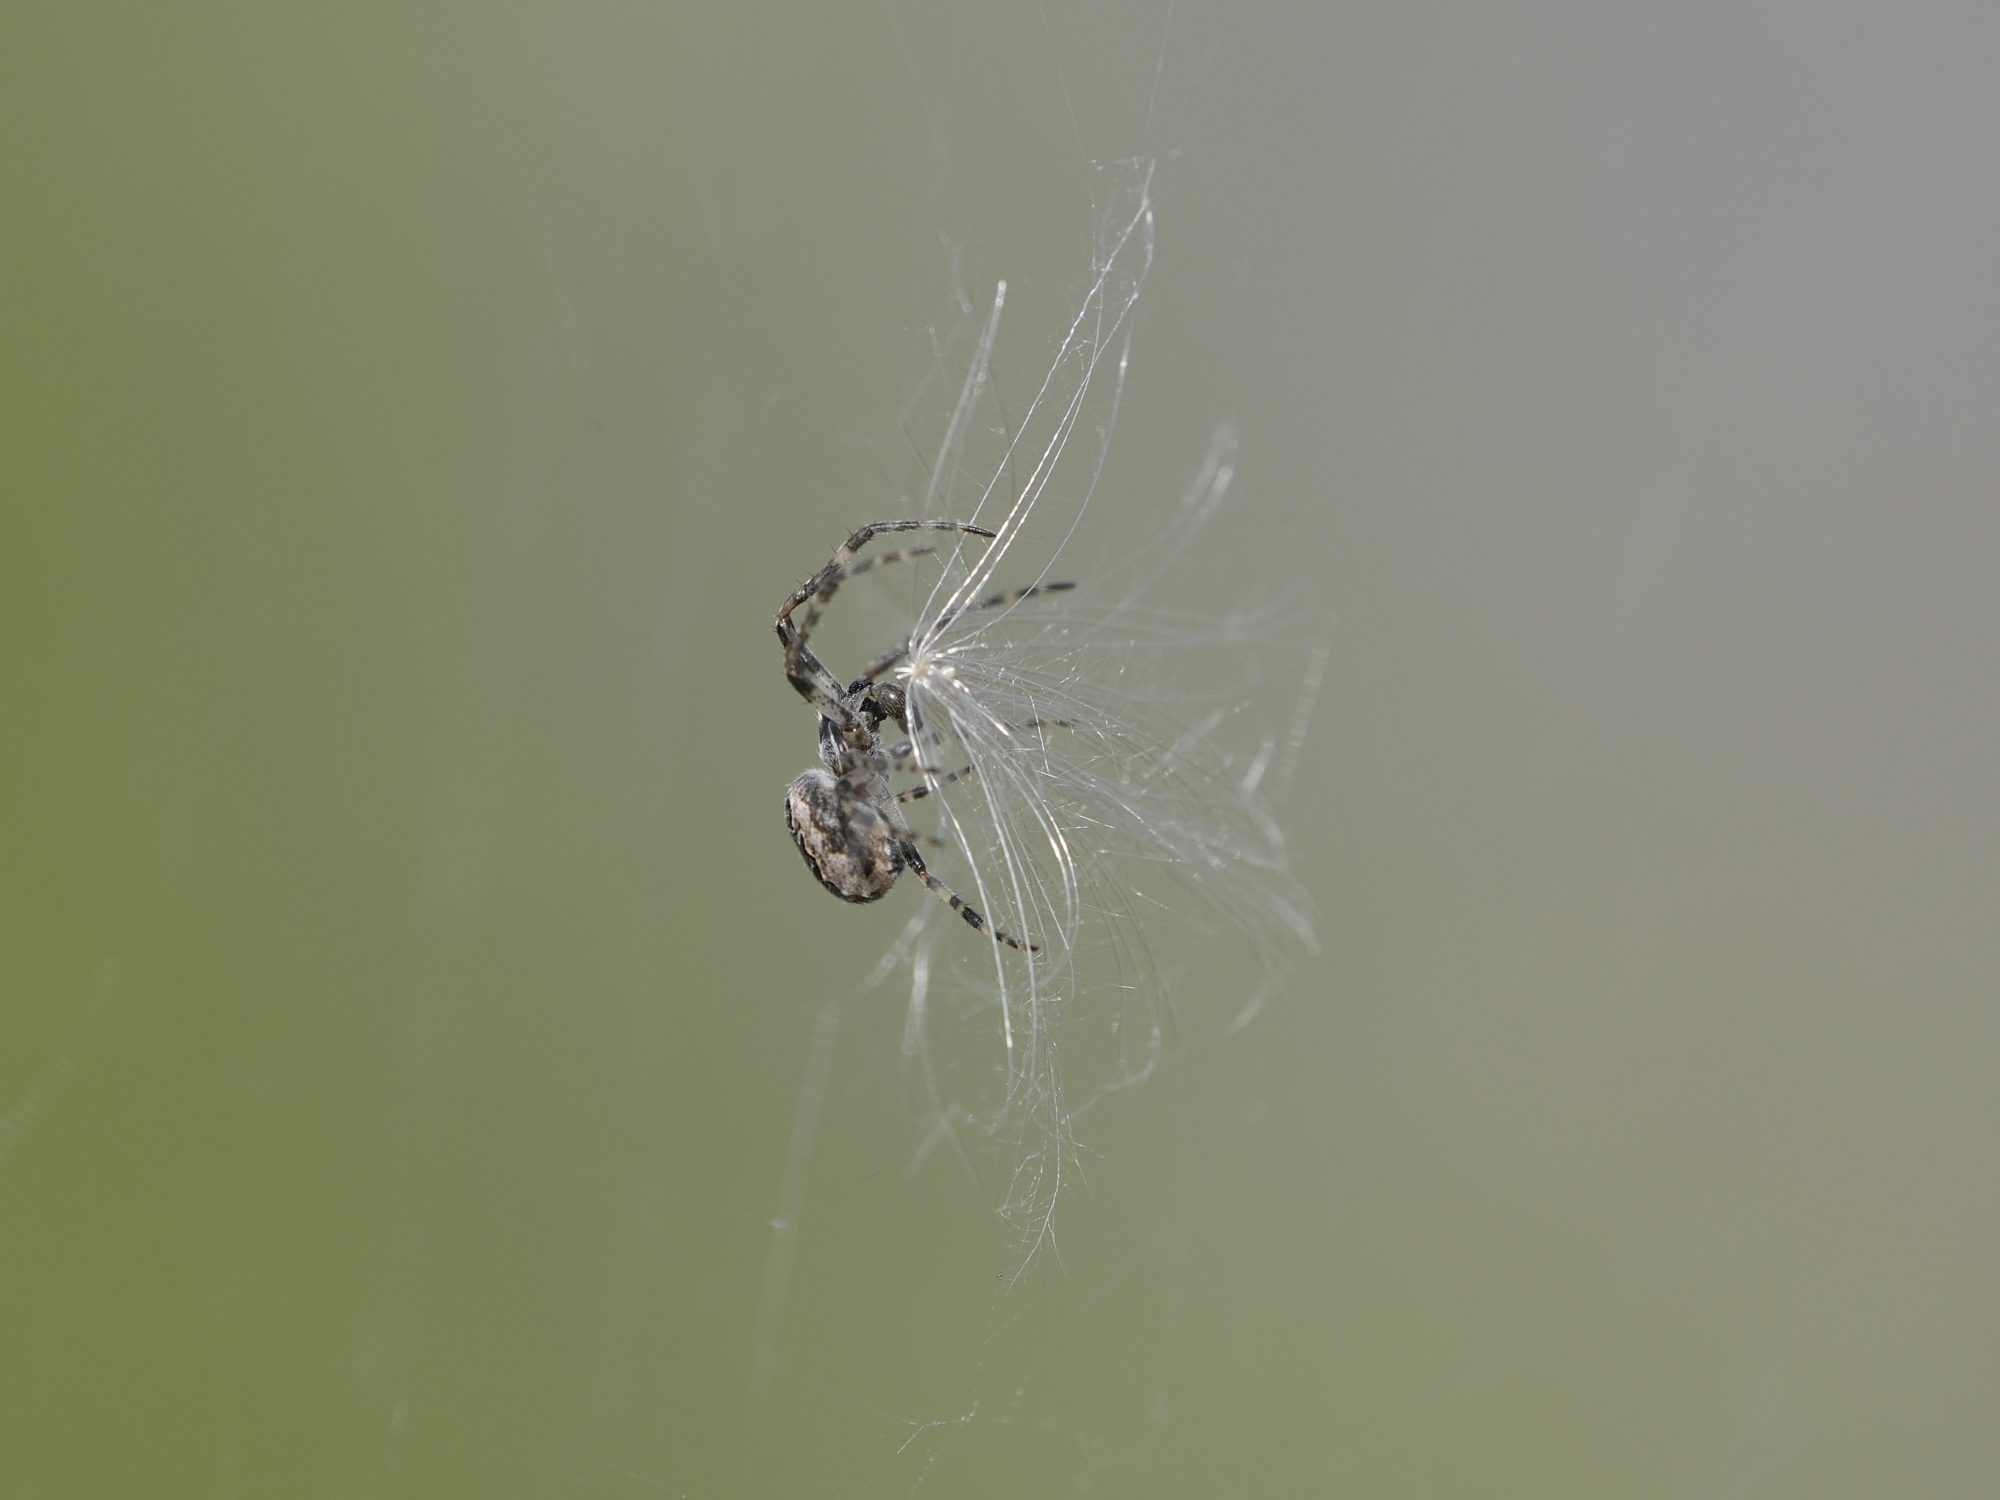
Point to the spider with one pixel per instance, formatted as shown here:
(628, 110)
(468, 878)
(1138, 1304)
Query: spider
(845, 819)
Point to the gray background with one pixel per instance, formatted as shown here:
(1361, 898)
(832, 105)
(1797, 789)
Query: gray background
(412, 418)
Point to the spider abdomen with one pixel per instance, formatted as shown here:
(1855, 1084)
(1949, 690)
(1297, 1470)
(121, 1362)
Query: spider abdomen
(854, 851)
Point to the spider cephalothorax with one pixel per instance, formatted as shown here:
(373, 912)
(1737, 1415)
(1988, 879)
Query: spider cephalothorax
(846, 818)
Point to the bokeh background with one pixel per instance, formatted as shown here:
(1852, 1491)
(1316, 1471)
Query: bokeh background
(412, 416)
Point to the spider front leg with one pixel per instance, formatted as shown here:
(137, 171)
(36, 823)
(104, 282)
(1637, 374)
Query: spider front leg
(803, 670)
(893, 658)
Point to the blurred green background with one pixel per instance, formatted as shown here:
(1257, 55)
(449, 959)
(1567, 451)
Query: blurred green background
(412, 416)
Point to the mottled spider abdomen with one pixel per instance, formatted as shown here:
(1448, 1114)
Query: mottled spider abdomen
(853, 850)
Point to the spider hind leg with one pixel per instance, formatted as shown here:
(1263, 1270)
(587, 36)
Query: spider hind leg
(914, 863)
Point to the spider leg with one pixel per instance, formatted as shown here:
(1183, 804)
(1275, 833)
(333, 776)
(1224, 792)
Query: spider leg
(820, 588)
(903, 757)
(889, 659)
(925, 790)
(810, 679)
(914, 862)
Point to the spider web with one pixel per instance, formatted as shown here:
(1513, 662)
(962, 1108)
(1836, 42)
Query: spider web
(1117, 805)
(1107, 803)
